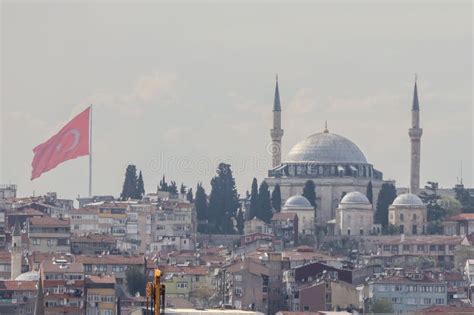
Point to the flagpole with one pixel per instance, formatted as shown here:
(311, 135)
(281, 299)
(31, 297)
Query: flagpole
(90, 152)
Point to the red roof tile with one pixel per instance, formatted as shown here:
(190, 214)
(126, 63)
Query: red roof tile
(18, 285)
(49, 222)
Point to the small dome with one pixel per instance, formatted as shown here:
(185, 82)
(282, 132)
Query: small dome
(355, 197)
(297, 201)
(407, 200)
(28, 276)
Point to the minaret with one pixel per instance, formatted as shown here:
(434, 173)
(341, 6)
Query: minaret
(276, 133)
(16, 252)
(415, 133)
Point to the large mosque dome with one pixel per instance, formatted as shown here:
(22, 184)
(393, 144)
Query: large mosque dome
(407, 200)
(326, 147)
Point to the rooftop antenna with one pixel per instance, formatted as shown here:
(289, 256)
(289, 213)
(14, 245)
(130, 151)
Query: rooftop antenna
(326, 127)
(461, 172)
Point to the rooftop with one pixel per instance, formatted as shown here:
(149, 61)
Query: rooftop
(111, 260)
(15, 285)
(424, 240)
(52, 267)
(49, 222)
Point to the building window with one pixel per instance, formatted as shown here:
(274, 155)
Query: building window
(406, 247)
(401, 217)
(238, 278)
(36, 241)
(414, 230)
(181, 285)
(414, 216)
(348, 231)
(432, 248)
(402, 229)
(427, 301)
(306, 308)
(238, 291)
(420, 248)
(411, 301)
(439, 301)
(50, 242)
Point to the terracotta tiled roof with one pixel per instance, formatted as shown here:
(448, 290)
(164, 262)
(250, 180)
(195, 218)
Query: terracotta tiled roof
(38, 257)
(111, 260)
(49, 222)
(461, 217)
(283, 216)
(101, 279)
(447, 310)
(250, 266)
(18, 285)
(85, 210)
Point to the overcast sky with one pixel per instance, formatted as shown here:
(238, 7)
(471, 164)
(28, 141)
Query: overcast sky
(178, 88)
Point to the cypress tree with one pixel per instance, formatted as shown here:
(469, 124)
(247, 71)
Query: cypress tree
(343, 194)
(240, 221)
(189, 195)
(201, 203)
(309, 192)
(264, 212)
(182, 189)
(276, 198)
(163, 184)
(173, 188)
(140, 187)
(387, 195)
(253, 200)
(129, 189)
(223, 200)
(369, 193)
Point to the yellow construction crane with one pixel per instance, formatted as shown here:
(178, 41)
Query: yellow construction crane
(155, 294)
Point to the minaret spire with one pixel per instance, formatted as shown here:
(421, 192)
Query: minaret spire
(415, 133)
(276, 101)
(276, 133)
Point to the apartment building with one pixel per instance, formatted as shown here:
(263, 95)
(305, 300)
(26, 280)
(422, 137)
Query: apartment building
(100, 295)
(63, 287)
(410, 292)
(84, 220)
(17, 297)
(47, 234)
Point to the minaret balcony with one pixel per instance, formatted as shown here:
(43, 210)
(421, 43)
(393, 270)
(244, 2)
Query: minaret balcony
(415, 132)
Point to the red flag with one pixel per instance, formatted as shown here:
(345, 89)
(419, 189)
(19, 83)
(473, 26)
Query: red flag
(69, 143)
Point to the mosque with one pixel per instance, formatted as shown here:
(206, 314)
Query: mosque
(339, 169)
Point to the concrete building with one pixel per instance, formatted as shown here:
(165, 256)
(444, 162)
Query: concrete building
(411, 292)
(256, 225)
(403, 248)
(100, 295)
(354, 215)
(285, 227)
(47, 234)
(63, 287)
(408, 213)
(93, 244)
(18, 297)
(300, 206)
(111, 264)
(460, 224)
(84, 220)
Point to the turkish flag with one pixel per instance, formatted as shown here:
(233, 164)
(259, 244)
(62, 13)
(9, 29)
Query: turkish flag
(69, 143)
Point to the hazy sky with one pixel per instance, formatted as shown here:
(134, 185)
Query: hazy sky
(178, 88)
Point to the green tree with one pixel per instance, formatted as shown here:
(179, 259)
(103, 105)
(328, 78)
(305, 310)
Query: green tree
(369, 193)
(129, 189)
(343, 194)
(387, 195)
(163, 184)
(182, 189)
(264, 212)
(435, 212)
(382, 306)
(189, 195)
(223, 201)
(136, 281)
(173, 188)
(240, 222)
(276, 198)
(140, 187)
(464, 197)
(201, 203)
(309, 192)
(253, 200)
